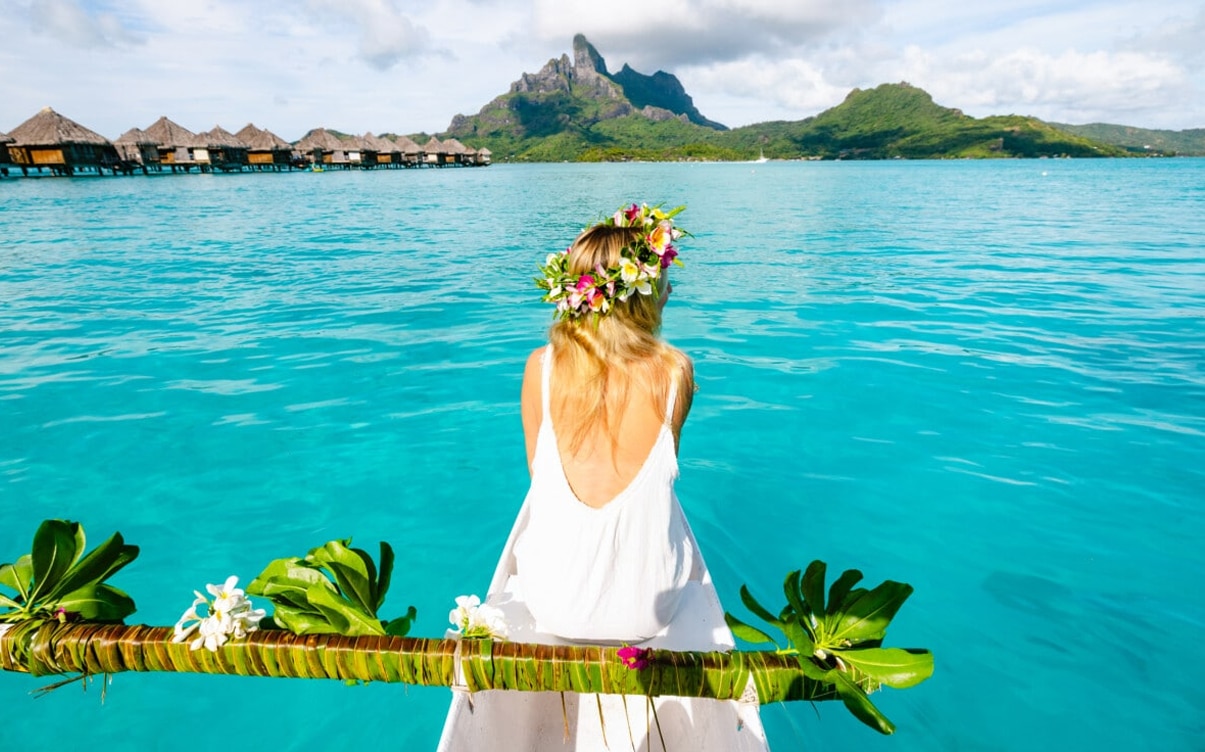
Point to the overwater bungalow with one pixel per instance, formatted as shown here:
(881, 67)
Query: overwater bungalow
(50, 141)
(388, 154)
(358, 153)
(179, 148)
(482, 157)
(321, 147)
(138, 151)
(226, 151)
(458, 152)
(412, 154)
(265, 150)
(5, 160)
(437, 153)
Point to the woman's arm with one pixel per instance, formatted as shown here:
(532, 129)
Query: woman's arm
(686, 395)
(530, 404)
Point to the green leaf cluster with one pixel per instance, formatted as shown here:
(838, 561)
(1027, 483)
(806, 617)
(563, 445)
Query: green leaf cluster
(56, 579)
(840, 642)
(334, 589)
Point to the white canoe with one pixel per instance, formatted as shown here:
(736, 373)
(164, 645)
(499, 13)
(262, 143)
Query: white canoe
(539, 721)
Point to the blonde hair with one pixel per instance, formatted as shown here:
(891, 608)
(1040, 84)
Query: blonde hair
(598, 359)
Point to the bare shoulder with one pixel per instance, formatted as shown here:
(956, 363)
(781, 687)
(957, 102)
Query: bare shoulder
(535, 361)
(532, 372)
(685, 367)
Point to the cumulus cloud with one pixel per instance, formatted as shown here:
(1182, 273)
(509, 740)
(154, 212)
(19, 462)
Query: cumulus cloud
(1150, 79)
(669, 34)
(797, 87)
(1070, 84)
(77, 26)
(386, 35)
(1177, 37)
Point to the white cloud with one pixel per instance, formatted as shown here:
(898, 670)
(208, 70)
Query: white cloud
(671, 34)
(1067, 86)
(378, 65)
(69, 22)
(797, 88)
(385, 34)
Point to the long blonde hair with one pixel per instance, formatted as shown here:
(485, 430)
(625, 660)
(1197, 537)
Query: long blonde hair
(598, 359)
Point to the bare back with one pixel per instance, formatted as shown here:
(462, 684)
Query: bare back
(599, 469)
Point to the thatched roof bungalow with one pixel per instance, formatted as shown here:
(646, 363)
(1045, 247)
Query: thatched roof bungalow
(178, 146)
(265, 148)
(226, 151)
(482, 157)
(51, 141)
(412, 154)
(358, 153)
(321, 147)
(5, 140)
(138, 149)
(458, 152)
(437, 153)
(387, 152)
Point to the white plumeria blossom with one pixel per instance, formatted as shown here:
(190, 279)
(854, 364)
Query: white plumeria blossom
(628, 270)
(471, 618)
(229, 614)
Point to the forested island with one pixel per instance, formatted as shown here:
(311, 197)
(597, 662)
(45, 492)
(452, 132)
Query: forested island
(577, 110)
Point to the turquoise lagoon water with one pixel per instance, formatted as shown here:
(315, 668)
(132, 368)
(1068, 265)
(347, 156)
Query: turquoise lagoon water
(981, 378)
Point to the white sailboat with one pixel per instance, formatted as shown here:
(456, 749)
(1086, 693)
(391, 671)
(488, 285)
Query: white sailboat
(550, 722)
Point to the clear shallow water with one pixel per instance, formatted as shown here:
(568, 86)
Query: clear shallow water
(981, 378)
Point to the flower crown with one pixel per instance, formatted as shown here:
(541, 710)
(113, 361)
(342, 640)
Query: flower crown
(640, 265)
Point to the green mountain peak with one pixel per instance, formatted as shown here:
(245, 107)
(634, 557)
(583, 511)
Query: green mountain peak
(575, 109)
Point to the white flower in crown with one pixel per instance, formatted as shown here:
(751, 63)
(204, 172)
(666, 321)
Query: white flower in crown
(628, 270)
(595, 293)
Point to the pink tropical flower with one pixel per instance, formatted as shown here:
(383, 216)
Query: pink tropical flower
(659, 239)
(668, 257)
(632, 212)
(584, 282)
(637, 659)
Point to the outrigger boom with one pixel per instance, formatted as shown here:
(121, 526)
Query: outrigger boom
(51, 648)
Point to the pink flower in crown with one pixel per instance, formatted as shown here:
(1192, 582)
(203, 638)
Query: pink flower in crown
(633, 212)
(637, 659)
(584, 282)
(668, 257)
(659, 239)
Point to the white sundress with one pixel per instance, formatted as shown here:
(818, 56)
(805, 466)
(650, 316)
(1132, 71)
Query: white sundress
(614, 573)
(629, 571)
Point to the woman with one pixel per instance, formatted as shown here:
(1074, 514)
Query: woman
(606, 552)
(600, 551)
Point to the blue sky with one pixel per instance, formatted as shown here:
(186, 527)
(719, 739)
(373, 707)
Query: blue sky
(389, 65)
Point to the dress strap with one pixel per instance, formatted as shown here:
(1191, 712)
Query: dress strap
(546, 380)
(669, 402)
